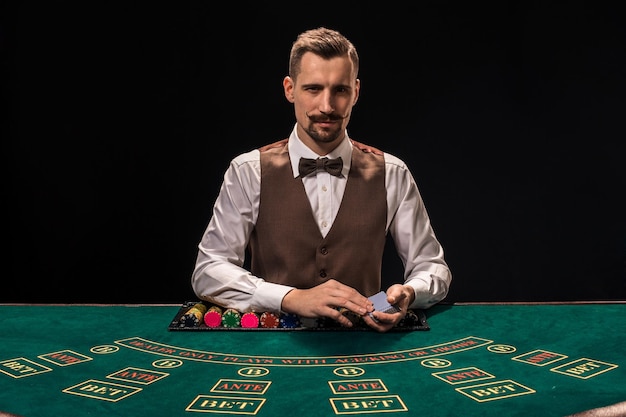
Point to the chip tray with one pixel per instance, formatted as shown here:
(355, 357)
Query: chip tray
(414, 320)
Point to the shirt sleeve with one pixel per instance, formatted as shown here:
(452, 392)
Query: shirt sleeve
(425, 268)
(219, 276)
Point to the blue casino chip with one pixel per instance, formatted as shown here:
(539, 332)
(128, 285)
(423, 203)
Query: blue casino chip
(289, 321)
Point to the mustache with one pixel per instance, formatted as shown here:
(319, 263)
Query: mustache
(326, 117)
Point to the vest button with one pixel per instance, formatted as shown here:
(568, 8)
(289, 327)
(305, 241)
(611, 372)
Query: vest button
(322, 273)
(324, 250)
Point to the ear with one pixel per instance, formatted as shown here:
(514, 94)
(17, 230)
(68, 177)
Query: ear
(357, 90)
(288, 86)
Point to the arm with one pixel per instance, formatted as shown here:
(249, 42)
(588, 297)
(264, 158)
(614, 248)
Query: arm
(426, 274)
(218, 275)
(425, 269)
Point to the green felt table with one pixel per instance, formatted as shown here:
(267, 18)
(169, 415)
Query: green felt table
(475, 360)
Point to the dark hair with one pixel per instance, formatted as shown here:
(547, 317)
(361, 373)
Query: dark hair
(323, 42)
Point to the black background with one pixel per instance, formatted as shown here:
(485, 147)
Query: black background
(123, 117)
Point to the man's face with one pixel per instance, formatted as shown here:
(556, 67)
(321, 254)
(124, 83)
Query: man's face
(323, 96)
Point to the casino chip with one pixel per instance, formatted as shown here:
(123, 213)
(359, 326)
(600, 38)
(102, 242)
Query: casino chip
(269, 320)
(213, 317)
(411, 319)
(309, 322)
(250, 320)
(351, 315)
(193, 316)
(231, 318)
(289, 321)
(325, 322)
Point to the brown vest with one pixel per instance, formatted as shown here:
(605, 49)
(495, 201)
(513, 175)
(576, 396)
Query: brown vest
(286, 245)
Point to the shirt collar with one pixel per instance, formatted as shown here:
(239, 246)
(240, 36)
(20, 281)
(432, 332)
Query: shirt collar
(297, 150)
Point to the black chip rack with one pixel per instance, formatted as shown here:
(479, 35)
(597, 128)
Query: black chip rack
(414, 320)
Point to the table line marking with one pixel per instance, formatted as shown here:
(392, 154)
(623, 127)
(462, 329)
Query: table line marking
(460, 345)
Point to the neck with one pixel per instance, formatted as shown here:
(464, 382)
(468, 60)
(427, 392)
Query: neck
(319, 147)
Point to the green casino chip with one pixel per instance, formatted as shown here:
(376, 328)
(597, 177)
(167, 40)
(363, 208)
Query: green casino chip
(231, 318)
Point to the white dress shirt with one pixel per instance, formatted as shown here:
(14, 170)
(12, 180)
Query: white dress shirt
(219, 276)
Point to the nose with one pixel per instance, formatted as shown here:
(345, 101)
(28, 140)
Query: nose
(326, 105)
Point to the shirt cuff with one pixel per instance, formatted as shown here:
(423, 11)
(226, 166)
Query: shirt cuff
(269, 296)
(424, 297)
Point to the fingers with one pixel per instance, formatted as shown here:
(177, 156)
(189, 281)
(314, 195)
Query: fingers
(340, 318)
(383, 322)
(398, 295)
(333, 299)
(325, 300)
(395, 293)
(337, 295)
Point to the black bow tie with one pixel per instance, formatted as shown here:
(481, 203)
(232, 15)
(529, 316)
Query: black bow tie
(308, 166)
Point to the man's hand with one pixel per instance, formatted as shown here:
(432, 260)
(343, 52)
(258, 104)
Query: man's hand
(325, 300)
(399, 295)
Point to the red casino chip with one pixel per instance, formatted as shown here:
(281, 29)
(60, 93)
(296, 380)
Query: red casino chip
(250, 320)
(213, 317)
(269, 320)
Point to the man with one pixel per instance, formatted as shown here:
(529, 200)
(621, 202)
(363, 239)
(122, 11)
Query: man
(316, 239)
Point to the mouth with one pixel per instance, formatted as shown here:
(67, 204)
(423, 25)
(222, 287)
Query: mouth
(326, 122)
(325, 119)
(326, 125)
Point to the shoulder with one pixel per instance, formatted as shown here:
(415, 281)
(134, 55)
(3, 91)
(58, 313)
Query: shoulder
(394, 162)
(245, 170)
(391, 161)
(365, 148)
(250, 158)
(276, 145)
(254, 155)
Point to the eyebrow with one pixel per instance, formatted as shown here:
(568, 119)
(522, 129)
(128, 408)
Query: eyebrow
(345, 86)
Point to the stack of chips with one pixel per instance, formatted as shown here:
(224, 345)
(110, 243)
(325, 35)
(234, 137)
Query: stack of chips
(231, 318)
(269, 320)
(213, 317)
(193, 316)
(351, 315)
(308, 322)
(325, 322)
(409, 320)
(289, 321)
(250, 320)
